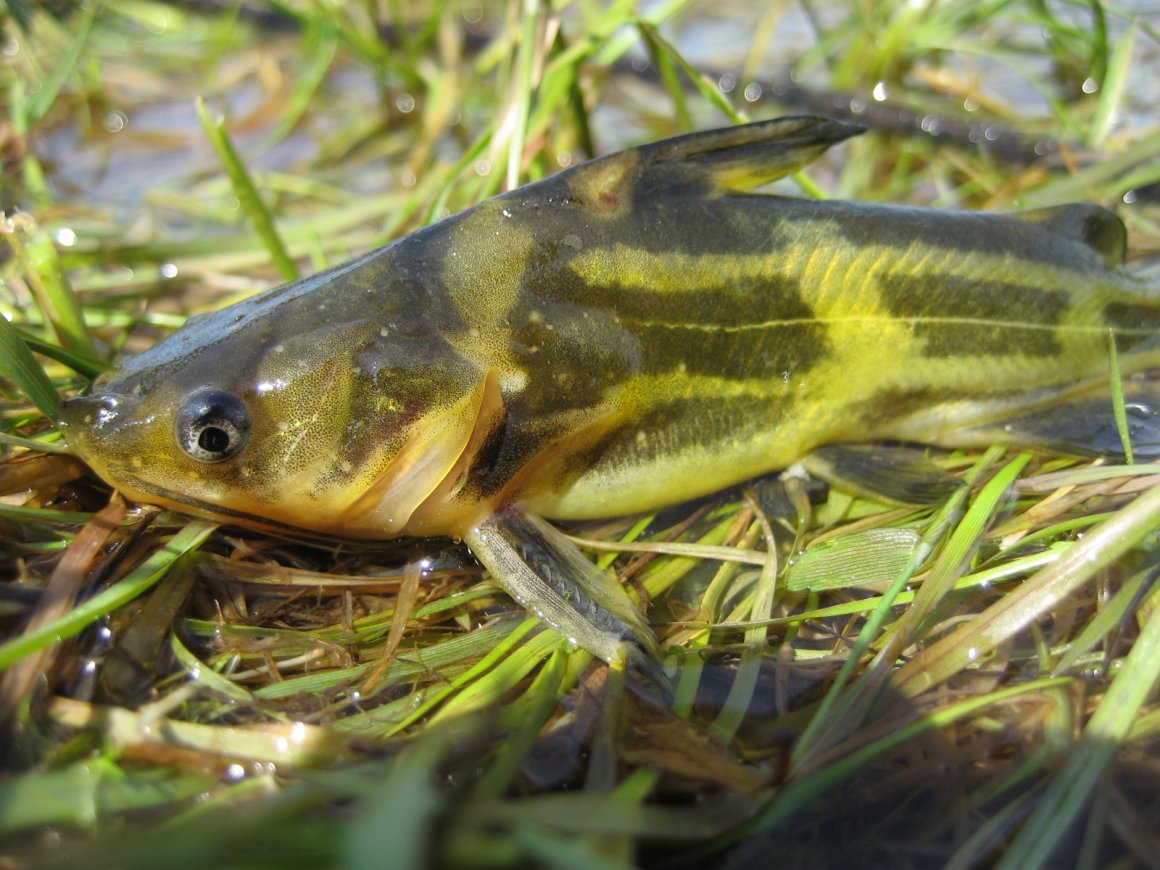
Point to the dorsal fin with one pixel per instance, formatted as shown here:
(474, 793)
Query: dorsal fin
(1090, 225)
(749, 156)
(730, 159)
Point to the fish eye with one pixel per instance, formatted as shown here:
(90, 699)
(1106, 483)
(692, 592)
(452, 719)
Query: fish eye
(212, 425)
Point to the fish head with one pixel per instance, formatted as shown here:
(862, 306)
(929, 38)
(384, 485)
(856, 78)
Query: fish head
(333, 404)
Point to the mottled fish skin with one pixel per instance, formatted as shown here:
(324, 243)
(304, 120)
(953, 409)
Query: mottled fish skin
(629, 333)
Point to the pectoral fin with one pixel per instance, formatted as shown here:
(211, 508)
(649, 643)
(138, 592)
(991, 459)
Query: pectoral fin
(545, 572)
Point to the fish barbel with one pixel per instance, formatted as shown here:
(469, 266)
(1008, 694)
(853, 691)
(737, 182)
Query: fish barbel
(632, 332)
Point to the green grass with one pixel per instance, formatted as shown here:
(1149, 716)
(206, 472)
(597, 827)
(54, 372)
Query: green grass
(856, 682)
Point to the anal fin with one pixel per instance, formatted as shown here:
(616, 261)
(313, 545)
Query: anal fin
(1084, 425)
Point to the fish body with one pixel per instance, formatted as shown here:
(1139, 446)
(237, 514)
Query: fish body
(632, 332)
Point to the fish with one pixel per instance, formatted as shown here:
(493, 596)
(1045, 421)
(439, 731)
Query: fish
(633, 332)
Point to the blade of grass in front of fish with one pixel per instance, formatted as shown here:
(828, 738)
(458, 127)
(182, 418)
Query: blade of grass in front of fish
(490, 660)
(663, 573)
(794, 796)
(19, 366)
(252, 205)
(202, 673)
(404, 807)
(84, 614)
(836, 704)
(286, 743)
(584, 812)
(83, 365)
(1010, 570)
(974, 851)
(40, 262)
(462, 654)
(1100, 547)
(1103, 737)
(489, 688)
(763, 597)
(543, 846)
(1119, 412)
(83, 794)
(528, 713)
(1110, 614)
(948, 567)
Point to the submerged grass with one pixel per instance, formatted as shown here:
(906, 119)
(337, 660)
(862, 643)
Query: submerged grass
(849, 676)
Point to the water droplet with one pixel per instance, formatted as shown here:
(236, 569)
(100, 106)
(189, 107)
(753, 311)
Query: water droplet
(973, 654)
(235, 773)
(405, 103)
(1089, 86)
(115, 121)
(752, 92)
(1129, 197)
(880, 93)
(472, 13)
(857, 105)
(65, 237)
(727, 83)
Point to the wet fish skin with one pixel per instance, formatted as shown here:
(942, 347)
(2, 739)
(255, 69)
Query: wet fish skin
(632, 332)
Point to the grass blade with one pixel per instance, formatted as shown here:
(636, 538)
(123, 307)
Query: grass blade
(18, 365)
(243, 185)
(42, 267)
(77, 619)
(1107, 730)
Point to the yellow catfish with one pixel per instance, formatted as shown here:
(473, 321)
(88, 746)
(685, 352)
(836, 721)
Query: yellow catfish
(632, 332)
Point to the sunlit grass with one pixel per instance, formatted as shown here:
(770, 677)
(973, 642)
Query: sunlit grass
(238, 697)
